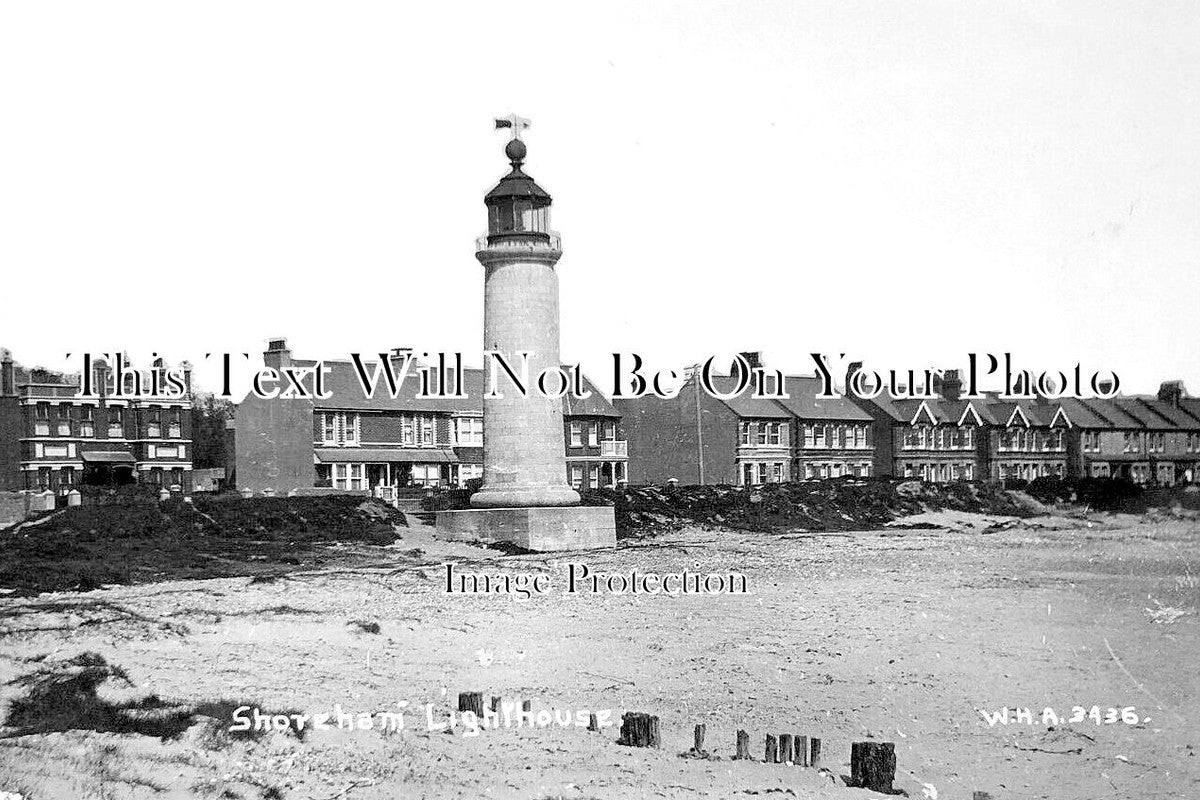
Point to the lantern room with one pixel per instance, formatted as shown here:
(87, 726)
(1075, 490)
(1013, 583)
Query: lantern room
(517, 207)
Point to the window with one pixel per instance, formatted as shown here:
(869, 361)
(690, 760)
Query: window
(156, 476)
(154, 422)
(340, 428)
(87, 426)
(760, 433)
(177, 476)
(350, 476)
(773, 434)
(467, 472)
(860, 437)
(115, 423)
(64, 419)
(809, 436)
(66, 477)
(777, 472)
(424, 431)
(577, 438)
(41, 419)
(593, 435)
(576, 474)
(762, 472)
(175, 427)
(43, 476)
(610, 431)
(470, 431)
(746, 434)
(594, 476)
(819, 441)
(425, 475)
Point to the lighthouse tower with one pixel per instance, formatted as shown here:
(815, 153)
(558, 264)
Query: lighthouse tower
(524, 463)
(524, 498)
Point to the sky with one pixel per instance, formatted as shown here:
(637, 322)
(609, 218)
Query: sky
(902, 182)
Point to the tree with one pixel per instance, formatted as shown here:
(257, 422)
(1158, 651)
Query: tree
(209, 415)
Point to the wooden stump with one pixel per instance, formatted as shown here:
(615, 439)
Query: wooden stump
(786, 755)
(639, 730)
(743, 746)
(527, 705)
(873, 766)
(698, 738)
(496, 704)
(593, 723)
(814, 753)
(772, 752)
(471, 701)
(801, 750)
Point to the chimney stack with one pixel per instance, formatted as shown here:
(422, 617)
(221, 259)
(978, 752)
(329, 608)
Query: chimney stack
(1171, 392)
(754, 358)
(951, 384)
(277, 355)
(8, 373)
(853, 369)
(186, 366)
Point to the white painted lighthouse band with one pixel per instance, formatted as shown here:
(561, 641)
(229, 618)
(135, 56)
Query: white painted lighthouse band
(524, 462)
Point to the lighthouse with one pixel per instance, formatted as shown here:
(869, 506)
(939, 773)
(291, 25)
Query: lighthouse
(524, 498)
(524, 463)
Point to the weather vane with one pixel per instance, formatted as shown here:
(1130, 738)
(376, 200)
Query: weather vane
(515, 123)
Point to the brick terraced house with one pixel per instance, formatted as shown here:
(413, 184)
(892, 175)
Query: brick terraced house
(381, 444)
(1143, 439)
(695, 437)
(52, 439)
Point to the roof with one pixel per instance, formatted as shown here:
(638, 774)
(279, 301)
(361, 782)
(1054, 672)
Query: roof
(341, 381)
(1191, 405)
(1134, 412)
(805, 404)
(1082, 415)
(594, 405)
(339, 455)
(516, 184)
(745, 404)
(1115, 416)
(1172, 416)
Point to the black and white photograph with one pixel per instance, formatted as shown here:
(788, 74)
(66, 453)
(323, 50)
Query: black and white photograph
(561, 401)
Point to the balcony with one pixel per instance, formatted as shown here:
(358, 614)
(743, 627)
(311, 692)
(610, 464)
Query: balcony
(517, 241)
(58, 391)
(614, 448)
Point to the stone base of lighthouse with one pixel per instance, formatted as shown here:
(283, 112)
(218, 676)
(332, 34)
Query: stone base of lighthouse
(539, 528)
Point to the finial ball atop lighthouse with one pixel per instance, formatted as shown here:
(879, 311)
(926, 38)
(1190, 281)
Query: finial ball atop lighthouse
(515, 150)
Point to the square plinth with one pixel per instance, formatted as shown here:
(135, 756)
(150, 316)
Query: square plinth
(540, 528)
